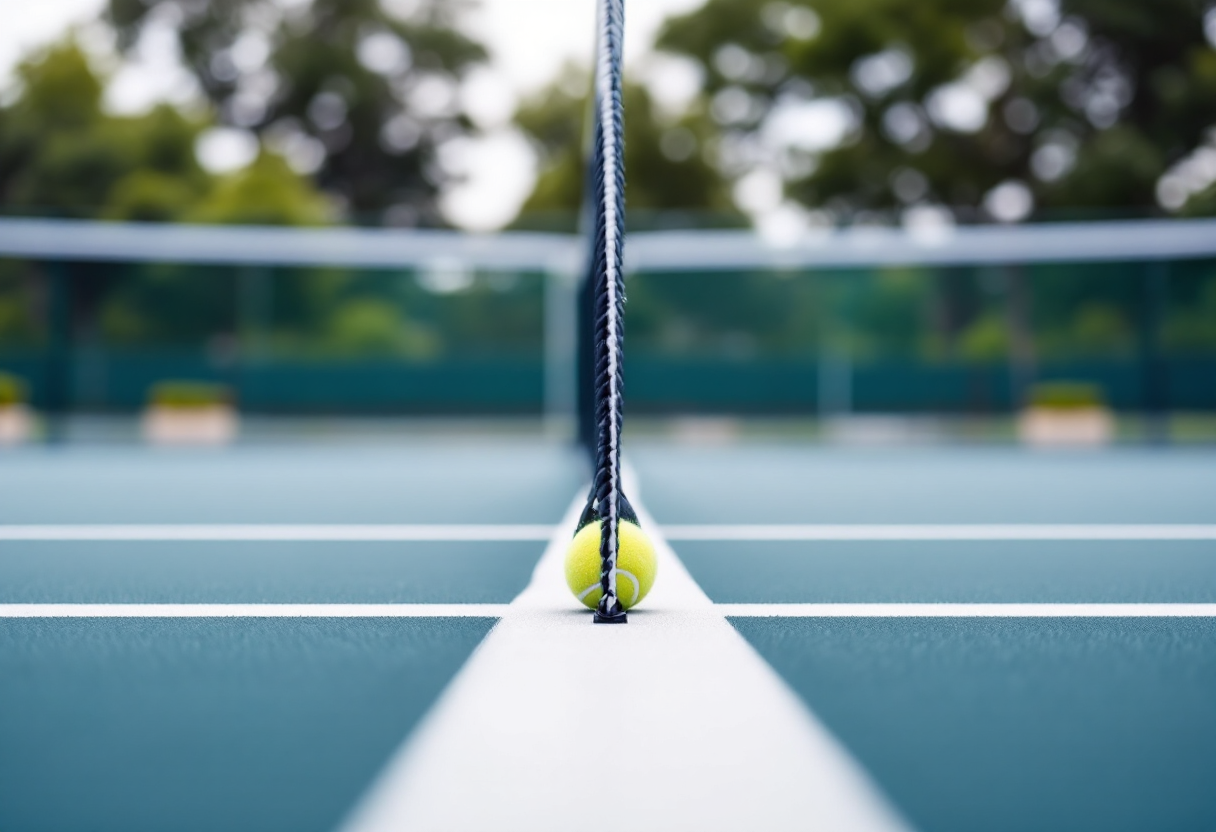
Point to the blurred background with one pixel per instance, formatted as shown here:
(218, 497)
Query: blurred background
(430, 126)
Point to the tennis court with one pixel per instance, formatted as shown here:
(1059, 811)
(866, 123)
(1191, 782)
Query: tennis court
(347, 622)
(943, 639)
(286, 524)
(362, 624)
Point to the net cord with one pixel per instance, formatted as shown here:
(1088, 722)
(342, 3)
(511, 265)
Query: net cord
(608, 295)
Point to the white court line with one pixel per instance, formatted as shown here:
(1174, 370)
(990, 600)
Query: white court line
(910, 532)
(898, 610)
(537, 532)
(968, 610)
(670, 722)
(294, 532)
(252, 610)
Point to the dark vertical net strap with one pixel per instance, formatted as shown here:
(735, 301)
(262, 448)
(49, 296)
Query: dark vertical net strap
(608, 292)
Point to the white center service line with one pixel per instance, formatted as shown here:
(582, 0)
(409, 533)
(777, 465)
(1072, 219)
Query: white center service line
(670, 722)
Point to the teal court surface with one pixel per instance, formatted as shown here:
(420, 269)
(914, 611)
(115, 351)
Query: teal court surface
(324, 638)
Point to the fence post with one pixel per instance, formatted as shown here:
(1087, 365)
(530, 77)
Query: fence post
(560, 351)
(1154, 387)
(59, 346)
(1021, 338)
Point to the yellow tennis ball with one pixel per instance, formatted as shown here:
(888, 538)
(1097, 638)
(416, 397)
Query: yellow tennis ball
(635, 565)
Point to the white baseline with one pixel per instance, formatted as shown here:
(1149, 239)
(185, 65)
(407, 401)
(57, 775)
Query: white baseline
(792, 610)
(950, 531)
(506, 532)
(252, 610)
(968, 610)
(351, 533)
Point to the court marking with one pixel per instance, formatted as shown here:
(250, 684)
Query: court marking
(778, 610)
(941, 532)
(506, 532)
(1149, 610)
(349, 533)
(252, 610)
(533, 684)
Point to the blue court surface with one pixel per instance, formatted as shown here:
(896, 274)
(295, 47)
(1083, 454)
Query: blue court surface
(320, 638)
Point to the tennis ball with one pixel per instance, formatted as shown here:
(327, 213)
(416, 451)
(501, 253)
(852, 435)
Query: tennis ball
(635, 565)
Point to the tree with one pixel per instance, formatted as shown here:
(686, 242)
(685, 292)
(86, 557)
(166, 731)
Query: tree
(975, 104)
(61, 154)
(266, 192)
(359, 94)
(666, 167)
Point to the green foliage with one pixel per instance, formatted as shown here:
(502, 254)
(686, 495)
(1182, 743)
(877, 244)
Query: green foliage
(722, 316)
(1101, 327)
(267, 192)
(1075, 313)
(61, 154)
(1066, 395)
(189, 394)
(19, 300)
(372, 326)
(664, 159)
(1191, 327)
(372, 93)
(148, 196)
(1088, 107)
(1202, 204)
(13, 390)
(985, 339)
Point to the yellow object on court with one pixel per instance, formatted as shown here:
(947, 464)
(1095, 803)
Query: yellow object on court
(636, 565)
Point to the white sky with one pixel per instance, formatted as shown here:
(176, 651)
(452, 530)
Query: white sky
(24, 26)
(529, 41)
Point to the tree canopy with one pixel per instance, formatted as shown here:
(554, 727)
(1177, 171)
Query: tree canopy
(356, 92)
(667, 170)
(980, 105)
(61, 154)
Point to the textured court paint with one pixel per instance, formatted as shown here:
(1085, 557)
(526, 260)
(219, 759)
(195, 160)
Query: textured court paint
(444, 482)
(151, 572)
(710, 738)
(776, 483)
(239, 724)
(1008, 725)
(955, 572)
